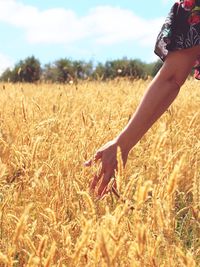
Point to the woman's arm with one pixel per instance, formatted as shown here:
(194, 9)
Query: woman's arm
(160, 94)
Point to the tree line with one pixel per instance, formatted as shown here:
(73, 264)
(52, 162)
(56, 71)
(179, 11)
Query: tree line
(66, 70)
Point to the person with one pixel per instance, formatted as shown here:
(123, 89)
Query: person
(178, 45)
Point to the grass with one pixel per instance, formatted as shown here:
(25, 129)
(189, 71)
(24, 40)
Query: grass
(48, 217)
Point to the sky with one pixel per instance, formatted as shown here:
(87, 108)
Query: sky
(96, 30)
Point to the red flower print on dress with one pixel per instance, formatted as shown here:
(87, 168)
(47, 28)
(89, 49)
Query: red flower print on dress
(194, 18)
(193, 9)
(188, 4)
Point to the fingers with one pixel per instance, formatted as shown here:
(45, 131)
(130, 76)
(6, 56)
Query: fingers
(103, 186)
(97, 156)
(95, 180)
(107, 156)
(88, 163)
(114, 190)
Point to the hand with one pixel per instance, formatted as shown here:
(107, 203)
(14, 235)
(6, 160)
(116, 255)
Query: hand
(108, 156)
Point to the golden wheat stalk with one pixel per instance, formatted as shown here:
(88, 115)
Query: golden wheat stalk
(21, 224)
(50, 256)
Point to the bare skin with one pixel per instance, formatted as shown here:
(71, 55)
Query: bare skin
(161, 92)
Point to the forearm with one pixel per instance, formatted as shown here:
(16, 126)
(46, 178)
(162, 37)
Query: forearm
(157, 99)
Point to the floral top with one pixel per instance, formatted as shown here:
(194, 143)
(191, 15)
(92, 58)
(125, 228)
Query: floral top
(193, 9)
(181, 30)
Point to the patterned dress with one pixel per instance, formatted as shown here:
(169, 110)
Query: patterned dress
(181, 30)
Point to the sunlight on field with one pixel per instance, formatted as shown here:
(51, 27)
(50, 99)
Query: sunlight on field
(48, 217)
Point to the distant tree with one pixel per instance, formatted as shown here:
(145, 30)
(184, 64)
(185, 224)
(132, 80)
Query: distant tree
(99, 72)
(120, 68)
(27, 70)
(148, 68)
(49, 73)
(82, 69)
(136, 69)
(157, 65)
(110, 71)
(64, 70)
(6, 75)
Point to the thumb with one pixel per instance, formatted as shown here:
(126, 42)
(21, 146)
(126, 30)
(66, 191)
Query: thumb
(97, 156)
(88, 163)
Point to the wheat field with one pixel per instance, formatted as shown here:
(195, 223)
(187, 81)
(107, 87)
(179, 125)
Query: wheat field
(48, 216)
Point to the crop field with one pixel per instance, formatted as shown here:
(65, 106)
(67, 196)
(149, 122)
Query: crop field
(48, 217)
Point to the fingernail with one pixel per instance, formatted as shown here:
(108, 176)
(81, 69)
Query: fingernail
(87, 163)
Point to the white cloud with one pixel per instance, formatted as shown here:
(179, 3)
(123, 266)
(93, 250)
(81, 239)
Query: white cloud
(17, 14)
(113, 25)
(5, 62)
(105, 25)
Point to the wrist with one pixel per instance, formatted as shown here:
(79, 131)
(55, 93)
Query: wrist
(123, 141)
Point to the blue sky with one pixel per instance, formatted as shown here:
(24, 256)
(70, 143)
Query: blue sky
(79, 29)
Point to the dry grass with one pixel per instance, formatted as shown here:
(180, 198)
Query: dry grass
(48, 218)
